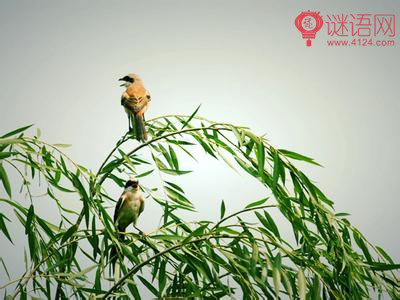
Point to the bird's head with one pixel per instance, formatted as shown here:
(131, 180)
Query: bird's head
(132, 183)
(129, 79)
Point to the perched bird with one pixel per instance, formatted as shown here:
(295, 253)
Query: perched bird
(135, 99)
(129, 206)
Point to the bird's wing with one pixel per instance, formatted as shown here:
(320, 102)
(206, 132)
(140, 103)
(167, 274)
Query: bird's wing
(141, 208)
(135, 105)
(117, 207)
(135, 98)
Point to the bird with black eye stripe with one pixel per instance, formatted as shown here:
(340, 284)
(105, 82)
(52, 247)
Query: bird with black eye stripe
(135, 99)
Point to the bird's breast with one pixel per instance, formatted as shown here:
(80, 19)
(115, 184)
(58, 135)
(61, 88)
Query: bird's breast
(129, 210)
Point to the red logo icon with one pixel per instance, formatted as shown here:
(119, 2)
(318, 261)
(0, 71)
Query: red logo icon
(309, 23)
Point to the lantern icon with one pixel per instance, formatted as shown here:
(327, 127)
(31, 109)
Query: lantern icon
(309, 23)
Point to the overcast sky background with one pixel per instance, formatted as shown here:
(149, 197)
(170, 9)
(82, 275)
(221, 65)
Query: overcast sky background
(244, 61)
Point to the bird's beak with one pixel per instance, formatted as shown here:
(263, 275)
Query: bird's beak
(121, 79)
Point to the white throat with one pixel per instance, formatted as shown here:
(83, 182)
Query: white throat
(126, 84)
(131, 189)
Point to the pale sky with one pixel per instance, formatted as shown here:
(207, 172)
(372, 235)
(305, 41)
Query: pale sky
(244, 61)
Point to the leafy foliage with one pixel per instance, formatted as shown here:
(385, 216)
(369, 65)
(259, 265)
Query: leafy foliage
(328, 257)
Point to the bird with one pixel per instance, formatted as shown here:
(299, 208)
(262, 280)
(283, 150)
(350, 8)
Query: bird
(127, 211)
(135, 99)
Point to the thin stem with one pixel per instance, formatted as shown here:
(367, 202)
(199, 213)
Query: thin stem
(239, 212)
(139, 266)
(157, 139)
(119, 143)
(26, 182)
(56, 149)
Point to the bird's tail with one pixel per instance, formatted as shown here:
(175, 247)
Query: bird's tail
(114, 253)
(141, 133)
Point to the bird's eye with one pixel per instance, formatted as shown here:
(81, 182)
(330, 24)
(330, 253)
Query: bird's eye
(129, 79)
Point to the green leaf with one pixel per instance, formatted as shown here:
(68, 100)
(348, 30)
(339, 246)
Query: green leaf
(16, 205)
(180, 142)
(254, 258)
(359, 241)
(29, 219)
(110, 166)
(10, 141)
(162, 278)
(176, 196)
(222, 209)
(3, 227)
(62, 145)
(199, 231)
(175, 186)
(205, 146)
(16, 131)
(119, 181)
(83, 272)
(97, 281)
(384, 254)
(316, 288)
(260, 153)
(257, 203)
(68, 233)
(377, 266)
(226, 160)
(156, 266)
(301, 284)
(7, 154)
(191, 117)
(342, 214)
(173, 158)
(226, 229)
(268, 223)
(85, 198)
(276, 274)
(277, 172)
(174, 172)
(238, 136)
(5, 267)
(47, 227)
(298, 156)
(245, 166)
(165, 153)
(4, 179)
(287, 284)
(272, 224)
(144, 174)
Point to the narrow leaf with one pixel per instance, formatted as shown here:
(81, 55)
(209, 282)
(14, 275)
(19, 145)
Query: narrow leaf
(298, 156)
(191, 117)
(260, 153)
(4, 179)
(301, 282)
(222, 209)
(257, 203)
(16, 131)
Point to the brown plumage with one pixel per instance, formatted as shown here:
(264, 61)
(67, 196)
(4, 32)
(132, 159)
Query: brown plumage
(135, 100)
